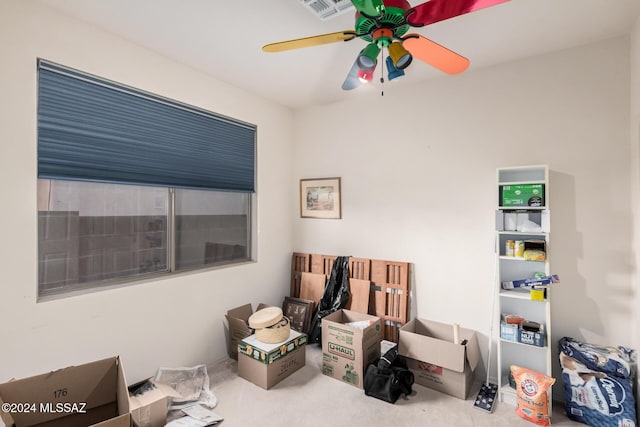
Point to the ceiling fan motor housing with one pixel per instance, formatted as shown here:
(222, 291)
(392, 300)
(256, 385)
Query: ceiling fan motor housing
(391, 19)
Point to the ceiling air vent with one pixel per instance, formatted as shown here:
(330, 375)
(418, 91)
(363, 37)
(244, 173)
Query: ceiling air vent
(327, 9)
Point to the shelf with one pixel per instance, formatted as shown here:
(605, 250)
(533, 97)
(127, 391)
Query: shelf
(510, 223)
(507, 389)
(522, 344)
(522, 208)
(508, 395)
(523, 233)
(519, 294)
(519, 258)
(528, 181)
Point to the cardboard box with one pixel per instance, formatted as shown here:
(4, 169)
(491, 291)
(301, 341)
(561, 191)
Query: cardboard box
(269, 353)
(149, 407)
(266, 365)
(509, 332)
(522, 195)
(93, 394)
(532, 338)
(436, 362)
(238, 322)
(348, 350)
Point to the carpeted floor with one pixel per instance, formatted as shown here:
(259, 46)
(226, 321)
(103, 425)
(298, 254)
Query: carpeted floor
(309, 398)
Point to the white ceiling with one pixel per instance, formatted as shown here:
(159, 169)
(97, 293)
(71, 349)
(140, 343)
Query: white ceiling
(224, 38)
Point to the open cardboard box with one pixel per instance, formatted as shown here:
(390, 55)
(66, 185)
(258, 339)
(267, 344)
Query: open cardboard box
(348, 350)
(436, 362)
(93, 394)
(238, 324)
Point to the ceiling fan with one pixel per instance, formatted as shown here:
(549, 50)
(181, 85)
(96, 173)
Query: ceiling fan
(383, 24)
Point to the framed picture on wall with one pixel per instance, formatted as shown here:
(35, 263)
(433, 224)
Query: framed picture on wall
(320, 198)
(299, 312)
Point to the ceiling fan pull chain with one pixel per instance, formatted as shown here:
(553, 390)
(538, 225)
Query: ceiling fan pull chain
(382, 72)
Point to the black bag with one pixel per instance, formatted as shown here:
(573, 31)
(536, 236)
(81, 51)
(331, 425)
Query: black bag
(388, 377)
(336, 295)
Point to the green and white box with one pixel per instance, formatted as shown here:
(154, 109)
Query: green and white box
(269, 353)
(522, 195)
(266, 365)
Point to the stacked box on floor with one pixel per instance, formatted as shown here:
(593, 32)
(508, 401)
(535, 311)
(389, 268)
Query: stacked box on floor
(350, 342)
(266, 365)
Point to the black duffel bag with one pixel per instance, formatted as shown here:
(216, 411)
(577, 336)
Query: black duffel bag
(388, 377)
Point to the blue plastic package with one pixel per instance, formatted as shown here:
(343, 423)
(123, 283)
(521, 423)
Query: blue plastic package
(598, 383)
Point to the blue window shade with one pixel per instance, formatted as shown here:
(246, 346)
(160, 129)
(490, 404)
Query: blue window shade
(91, 129)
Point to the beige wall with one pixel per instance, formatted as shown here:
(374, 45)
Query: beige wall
(164, 323)
(635, 182)
(418, 170)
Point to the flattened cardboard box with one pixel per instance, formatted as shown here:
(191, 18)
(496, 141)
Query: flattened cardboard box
(347, 350)
(238, 321)
(252, 366)
(436, 362)
(93, 394)
(269, 353)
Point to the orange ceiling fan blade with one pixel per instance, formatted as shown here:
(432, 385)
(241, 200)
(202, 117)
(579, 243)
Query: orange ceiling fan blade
(434, 54)
(340, 36)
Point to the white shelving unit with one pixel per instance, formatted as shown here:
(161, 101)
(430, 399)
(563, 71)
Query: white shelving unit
(519, 302)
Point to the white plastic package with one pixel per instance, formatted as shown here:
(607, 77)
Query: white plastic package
(191, 383)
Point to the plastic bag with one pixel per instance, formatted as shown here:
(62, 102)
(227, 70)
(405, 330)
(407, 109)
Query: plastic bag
(336, 295)
(597, 383)
(191, 383)
(619, 361)
(531, 395)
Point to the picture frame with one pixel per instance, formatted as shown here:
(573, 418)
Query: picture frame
(320, 198)
(299, 311)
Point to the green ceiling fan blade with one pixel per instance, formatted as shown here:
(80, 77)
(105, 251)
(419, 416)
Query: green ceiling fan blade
(369, 8)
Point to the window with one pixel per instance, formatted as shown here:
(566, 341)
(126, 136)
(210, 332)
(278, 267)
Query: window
(133, 186)
(214, 220)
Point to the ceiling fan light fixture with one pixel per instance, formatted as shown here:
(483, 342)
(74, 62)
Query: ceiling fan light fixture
(392, 71)
(399, 55)
(368, 57)
(365, 76)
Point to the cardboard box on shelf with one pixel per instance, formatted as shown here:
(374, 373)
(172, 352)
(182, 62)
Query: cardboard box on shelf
(436, 362)
(149, 403)
(350, 342)
(532, 337)
(509, 332)
(238, 324)
(93, 394)
(522, 195)
(266, 365)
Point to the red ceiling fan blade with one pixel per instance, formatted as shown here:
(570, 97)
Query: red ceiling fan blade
(439, 10)
(435, 55)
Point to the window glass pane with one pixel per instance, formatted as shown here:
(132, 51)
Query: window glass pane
(212, 227)
(92, 232)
